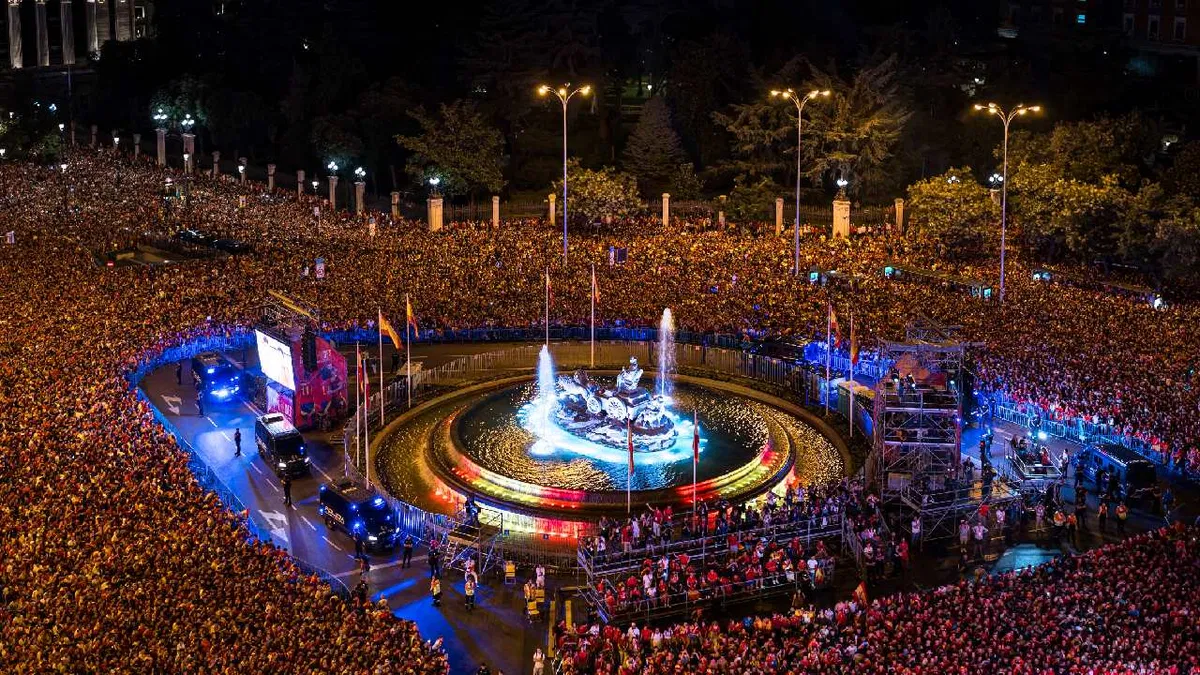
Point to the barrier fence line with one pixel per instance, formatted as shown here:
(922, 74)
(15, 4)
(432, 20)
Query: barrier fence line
(204, 474)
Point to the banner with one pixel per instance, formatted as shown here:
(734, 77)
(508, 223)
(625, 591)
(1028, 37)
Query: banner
(320, 268)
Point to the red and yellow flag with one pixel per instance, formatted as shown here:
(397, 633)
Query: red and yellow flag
(386, 328)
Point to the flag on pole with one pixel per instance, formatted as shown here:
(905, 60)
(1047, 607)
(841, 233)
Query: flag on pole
(695, 439)
(629, 433)
(595, 288)
(853, 343)
(835, 334)
(386, 328)
(363, 381)
(409, 316)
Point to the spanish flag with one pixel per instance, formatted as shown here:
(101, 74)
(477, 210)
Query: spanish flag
(853, 343)
(408, 314)
(860, 594)
(386, 328)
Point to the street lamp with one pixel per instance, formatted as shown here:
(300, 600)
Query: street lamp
(360, 173)
(564, 95)
(315, 183)
(160, 117)
(799, 102)
(61, 127)
(2, 151)
(1006, 117)
(433, 184)
(187, 122)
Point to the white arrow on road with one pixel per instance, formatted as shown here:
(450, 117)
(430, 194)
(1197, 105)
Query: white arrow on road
(172, 403)
(277, 523)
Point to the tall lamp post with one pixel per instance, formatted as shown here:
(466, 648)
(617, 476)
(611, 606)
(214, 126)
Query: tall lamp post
(1006, 117)
(799, 102)
(564, 95)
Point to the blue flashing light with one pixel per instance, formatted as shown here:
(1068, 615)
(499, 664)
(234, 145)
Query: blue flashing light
(321, 508)
(378, 501)
(222, 393)
(1041, 435)
(358, 525)
(210, 371)
(354, 507)
(323, 488)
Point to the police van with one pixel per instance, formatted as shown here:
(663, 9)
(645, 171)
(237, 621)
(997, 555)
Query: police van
(362, 513)
(215, 377)
(1133, 474)
(281, 445)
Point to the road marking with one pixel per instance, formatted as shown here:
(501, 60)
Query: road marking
(254, 466)
(384, 566)
(327, 476)
(278, 523)
(330, 542)
(308, 523)
(226, 436)
(210, 421)
(173, 407)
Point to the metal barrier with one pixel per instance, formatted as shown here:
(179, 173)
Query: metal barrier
(204, 474)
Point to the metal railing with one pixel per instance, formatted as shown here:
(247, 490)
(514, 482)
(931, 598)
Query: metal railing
(205, 476)
(1081, 431)
(618, 561)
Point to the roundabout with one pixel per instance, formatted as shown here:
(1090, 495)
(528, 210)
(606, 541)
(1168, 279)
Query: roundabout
(535, 457)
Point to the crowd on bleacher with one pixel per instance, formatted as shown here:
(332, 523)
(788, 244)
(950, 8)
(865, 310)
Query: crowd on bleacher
(116, 556)
(1129, 607)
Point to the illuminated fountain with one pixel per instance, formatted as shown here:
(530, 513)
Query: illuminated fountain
(579, 414)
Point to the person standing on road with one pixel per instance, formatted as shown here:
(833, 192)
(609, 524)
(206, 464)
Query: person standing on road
(435, 563)
(435, 591)
(1122, 514)
(179, 373)
(237, 443)
(287, 490)
(539, 661)
(358, 546)
(469, 591)
(1102, 515)
(406, 560)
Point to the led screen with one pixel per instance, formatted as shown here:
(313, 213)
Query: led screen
(275, 357)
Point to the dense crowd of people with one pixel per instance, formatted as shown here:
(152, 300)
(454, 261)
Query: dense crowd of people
(1125, 608)
(114, 556)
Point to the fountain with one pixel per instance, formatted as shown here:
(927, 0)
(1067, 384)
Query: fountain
(666, 353)
(578, 413)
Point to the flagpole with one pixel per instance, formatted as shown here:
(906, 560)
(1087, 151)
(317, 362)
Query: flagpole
(357, 404)
(629, 469)
(850, 387)
(547, 306)
(380, 311)
(695, 458)
(828, 351)
(592, 362)
(408, 350)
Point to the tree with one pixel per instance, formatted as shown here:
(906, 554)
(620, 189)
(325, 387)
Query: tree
(685, 184)
(752, 198)
(858, 128)
(953, 214)
(1184, 175)
(653, 153)
(335, 137)
(704, 76)
(596, 194)
(459, 146)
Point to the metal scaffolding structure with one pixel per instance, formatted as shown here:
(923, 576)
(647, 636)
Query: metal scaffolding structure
(917, 453)
(918, 412)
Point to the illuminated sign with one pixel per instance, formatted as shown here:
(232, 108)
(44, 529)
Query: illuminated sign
(275, 357)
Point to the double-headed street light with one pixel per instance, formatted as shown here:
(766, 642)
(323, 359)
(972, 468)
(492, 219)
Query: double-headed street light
(564, 94)
(799, 102)
(1006, 117)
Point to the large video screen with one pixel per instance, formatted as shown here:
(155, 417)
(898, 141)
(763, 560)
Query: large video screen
(275, 357)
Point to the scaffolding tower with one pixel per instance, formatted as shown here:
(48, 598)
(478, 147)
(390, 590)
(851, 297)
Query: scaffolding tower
(918, 412)
(916, 458)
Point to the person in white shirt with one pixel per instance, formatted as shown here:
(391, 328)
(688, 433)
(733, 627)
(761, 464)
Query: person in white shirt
(539, 573)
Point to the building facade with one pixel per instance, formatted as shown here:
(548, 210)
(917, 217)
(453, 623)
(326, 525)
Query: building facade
(46, 33)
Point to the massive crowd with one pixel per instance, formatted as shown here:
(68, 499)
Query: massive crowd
(114, 557)
(1126, 608)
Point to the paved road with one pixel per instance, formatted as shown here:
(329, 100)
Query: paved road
(496, 633)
